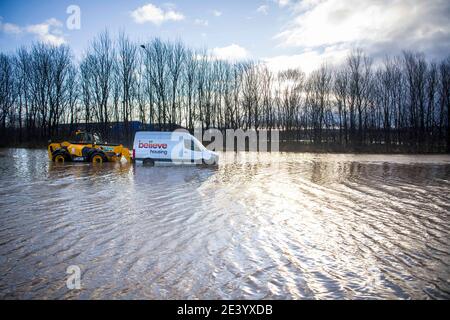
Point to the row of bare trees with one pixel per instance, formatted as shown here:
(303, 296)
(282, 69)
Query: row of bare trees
(401, 101)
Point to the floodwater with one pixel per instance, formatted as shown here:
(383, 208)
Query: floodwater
(259, 226)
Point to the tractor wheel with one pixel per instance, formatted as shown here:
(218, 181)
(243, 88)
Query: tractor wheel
(98, 158)
(60, 158)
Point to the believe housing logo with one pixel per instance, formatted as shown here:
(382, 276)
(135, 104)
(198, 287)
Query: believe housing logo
(149, 145)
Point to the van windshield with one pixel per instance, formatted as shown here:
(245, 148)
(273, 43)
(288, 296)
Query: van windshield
(190, 144)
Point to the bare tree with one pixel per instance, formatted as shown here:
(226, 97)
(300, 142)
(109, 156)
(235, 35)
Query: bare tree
(401, 103)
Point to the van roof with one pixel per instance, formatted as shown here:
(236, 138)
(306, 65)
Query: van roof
(162, 134)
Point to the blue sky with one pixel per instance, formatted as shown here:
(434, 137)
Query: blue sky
(205, 23)
(285, 33)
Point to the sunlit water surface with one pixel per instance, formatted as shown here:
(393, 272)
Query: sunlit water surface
(260, 226)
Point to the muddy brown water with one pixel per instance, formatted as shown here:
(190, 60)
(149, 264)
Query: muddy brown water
(259, 226)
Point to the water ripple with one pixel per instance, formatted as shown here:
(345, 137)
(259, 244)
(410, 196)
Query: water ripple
(261, 226)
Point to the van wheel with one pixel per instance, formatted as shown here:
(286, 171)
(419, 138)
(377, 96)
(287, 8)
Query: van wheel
(148, 162)
(204, 162)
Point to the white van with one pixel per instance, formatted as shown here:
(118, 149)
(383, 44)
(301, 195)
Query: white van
(177, 147)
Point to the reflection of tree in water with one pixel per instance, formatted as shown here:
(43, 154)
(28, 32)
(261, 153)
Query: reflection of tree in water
(317, 171)
(324, 172)
(371, 173)
(244, 172)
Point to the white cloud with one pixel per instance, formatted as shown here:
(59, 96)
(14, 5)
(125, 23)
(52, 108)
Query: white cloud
(307, 61)
(376, 26)
(49, 31)
(282, 3)
(10, 28)
(201, 22)
(263, 9)
(155, 15)
(217, 13)
(232, 52)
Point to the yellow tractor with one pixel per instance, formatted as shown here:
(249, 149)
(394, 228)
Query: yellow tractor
(86, 147)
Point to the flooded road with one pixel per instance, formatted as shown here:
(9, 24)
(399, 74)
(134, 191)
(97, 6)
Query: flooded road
(260, 226)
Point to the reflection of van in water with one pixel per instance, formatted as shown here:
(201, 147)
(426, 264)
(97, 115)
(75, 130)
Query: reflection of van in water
(178, 147)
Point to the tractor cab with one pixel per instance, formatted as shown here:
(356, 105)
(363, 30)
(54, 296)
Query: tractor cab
(83, 137)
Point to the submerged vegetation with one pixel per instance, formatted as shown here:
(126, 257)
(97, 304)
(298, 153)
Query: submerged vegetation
(399, 103)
